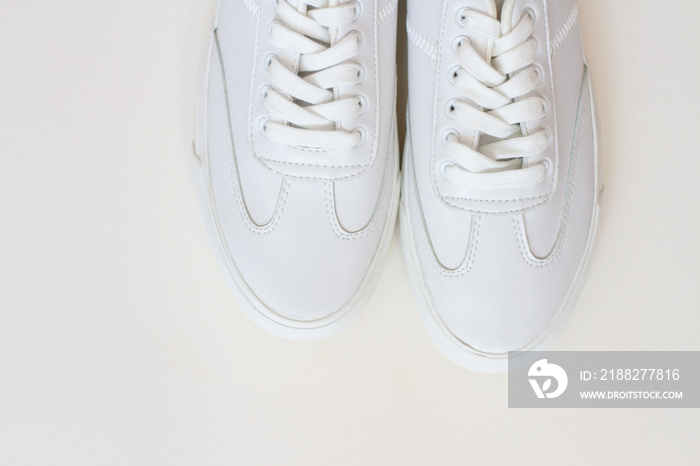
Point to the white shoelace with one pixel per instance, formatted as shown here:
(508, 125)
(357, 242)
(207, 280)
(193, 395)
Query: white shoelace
(495, 87)
(304, 98)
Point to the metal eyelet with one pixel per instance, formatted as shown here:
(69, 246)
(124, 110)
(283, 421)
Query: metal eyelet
(358, 36)
(547, 165)
(268, 60)
(545, 106)
(462, 15)
(540, 74)
(362, 102)
(548, 135)
(363, 135)
(454, 73)
(450, 107)
(531, 13)
(447, 133)
(444, 166)
(358, 11)
(262, 125)
(269, 26)
(264, 91)
(360, 74)
(459, 42)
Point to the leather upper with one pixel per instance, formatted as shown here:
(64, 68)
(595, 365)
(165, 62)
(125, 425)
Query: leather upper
(497, 264)
(301, 226)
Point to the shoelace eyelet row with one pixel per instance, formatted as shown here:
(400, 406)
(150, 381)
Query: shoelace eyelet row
(495, 104)
(303, 106)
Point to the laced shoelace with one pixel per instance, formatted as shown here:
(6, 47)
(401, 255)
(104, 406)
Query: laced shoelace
(495, 87)
(304, 99)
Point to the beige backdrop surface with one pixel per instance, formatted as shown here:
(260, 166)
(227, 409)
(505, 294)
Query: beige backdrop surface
(121, 345)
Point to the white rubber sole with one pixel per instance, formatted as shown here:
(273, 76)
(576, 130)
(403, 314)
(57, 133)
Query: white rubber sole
(246, 298)
(461, 353)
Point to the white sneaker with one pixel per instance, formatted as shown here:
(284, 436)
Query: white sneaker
(499, 206)
(297, 157)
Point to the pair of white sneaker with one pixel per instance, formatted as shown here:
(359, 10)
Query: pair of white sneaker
(297, 165)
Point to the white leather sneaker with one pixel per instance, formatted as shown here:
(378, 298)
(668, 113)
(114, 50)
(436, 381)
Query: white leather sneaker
(501, 177)
(297, 156)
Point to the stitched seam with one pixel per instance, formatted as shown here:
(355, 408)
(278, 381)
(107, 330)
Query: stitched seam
(252, 5)
(469, 258)
(476, 223)
(519, 223)
(386, 177)
(496, 200)
(251, 137)
(302, 164)
(423, 44)
(337, 229)
(312, 178)
(375, 148)
(557, 162)
(511, 211)
(237, 188)
(388, 8)
(437, 105)
(427, 244)
(564, 31)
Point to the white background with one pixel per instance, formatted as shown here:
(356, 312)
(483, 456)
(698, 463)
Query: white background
(121, 345)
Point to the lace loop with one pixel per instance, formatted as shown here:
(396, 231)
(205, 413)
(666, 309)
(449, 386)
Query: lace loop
(496, 89)
(303, 101)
